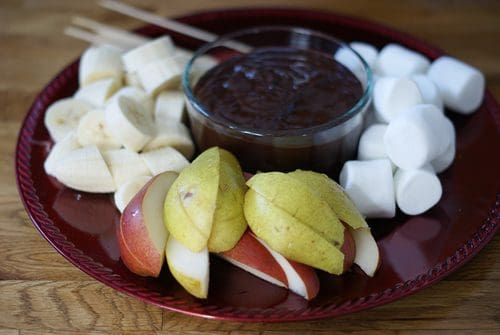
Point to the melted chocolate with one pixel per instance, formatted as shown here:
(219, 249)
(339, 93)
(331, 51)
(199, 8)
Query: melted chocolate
(278, 88)
(273, 89)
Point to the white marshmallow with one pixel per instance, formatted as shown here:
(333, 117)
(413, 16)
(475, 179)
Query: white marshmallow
(417, 136)
(417, 190)
(429, 90)
(461, 85)
(396, 60)
(393, 95)
(348, 58)
(370, 186)
(371, 143)
(367, 51)
(444, 160)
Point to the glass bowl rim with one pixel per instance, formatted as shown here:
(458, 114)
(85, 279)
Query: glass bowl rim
(257, 132)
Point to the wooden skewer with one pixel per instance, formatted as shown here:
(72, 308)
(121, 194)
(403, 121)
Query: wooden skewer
(148, 17)
(90, 37)
(127, 39)
(179, 27)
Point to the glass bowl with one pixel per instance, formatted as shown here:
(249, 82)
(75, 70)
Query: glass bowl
(323, 147)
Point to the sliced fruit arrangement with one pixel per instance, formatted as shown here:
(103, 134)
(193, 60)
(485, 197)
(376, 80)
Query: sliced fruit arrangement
(131, 140)
(109, 136)
(205, 209)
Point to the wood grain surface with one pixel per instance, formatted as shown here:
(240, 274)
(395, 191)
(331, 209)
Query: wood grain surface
(42, 293)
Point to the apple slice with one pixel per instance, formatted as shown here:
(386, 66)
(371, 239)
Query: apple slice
(367, 253)
(190, 269)
(302, 279)
(256, 257)
(142, 235)
(252, 256)
(348, 248)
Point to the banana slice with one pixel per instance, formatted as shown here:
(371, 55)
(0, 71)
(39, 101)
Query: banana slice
(137, 58)
(84, 169)
(128, 190)
(100, 62)
(169, 106)
(161, 74)
(63, 116)
(137, 94)
(132, 79)
(164, 159)
(172, 134)
(68, 144)
(130, 123)
(183, 56)
(92, 129)
(125, 165)
(202, 64)
(98, 92)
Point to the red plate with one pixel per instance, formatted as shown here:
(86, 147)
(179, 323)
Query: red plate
(416, 251)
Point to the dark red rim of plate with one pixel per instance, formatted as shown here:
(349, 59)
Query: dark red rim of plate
(53, 235)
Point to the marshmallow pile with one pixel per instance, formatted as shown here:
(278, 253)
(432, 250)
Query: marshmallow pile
(409, 139)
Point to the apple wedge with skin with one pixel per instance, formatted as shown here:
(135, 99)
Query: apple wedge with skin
(256, 257)
(252, 256)
(141, 233)
(302, 279)
(190, 269)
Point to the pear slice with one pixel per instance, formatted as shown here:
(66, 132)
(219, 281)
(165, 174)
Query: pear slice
(334, 195)
(286, 235)
(207, 195)
(190, 269)
(300, 202)
(229, 220)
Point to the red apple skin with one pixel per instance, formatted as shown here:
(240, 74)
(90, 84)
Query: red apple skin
(131, 262)
(348, 249)
(251, 252)
(309, 277)
(137, 250)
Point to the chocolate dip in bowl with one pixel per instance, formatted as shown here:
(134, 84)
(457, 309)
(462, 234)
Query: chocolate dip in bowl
(279, 98)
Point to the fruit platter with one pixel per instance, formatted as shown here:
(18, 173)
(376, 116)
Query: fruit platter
(116, 175)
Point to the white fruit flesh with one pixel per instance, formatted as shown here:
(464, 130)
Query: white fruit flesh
(127, 190)
(129, 123)
(98, 92)
(100, 62)
(295, 283)
(164, 159)
(63, 116)
(92, 129)
(148, 52)
(172, 134)
(68, 144)
(367, 253)
(85, 170)
(169, 107)
(191, 269)
(125, 165)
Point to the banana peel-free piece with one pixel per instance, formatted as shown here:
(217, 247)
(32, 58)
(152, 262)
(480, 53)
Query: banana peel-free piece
(291, 238)
(300, 202)
(205, 204)
(333, 194)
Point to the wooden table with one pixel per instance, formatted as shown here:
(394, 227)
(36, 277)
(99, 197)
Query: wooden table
(41, 293)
